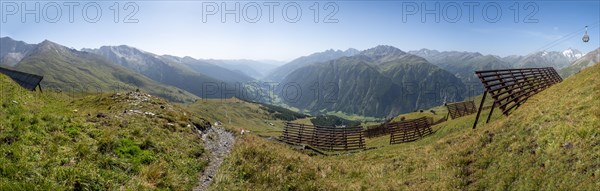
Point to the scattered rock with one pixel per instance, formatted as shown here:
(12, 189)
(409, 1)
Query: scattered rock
(568, 145)
(149, 114)
(15, 102)
(101, 115)
(135, 111)
(162, 107)
(135, 98)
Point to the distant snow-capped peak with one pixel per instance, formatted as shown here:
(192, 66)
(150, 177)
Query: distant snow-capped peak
(572, 53)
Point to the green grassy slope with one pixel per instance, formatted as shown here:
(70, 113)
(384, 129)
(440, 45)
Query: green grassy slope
(549, 143)
(236, 114)
(441, 112)
(76, 72)
(51, 141)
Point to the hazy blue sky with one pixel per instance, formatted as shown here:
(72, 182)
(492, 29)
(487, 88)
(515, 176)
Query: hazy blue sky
(194, 28)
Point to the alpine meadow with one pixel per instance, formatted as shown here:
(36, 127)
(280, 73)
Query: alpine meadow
(300, 95)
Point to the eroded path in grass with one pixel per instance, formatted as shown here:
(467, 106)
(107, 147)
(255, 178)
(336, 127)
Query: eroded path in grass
(218, 142)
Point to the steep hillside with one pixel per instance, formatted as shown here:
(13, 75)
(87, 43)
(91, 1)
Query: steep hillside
(432, 85)
(554, 59)
(130, 141)
(553, 136)
(279, 73)
(209, 69)
(167, 68)
(588, 60)
(236, 114)
(12, 51)
(348, 86)
(549, 143)
(466, 70)
(464, 64)
(445, 59)
(379, 82)
(159, 69)
(77, 72)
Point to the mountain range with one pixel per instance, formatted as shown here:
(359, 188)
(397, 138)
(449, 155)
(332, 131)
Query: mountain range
(147, 63)
(583, 62)
(162, 69)
(75, 71)
(464, 64)
(281, 72)
(380, 82)
(554, 59)
(12, 51)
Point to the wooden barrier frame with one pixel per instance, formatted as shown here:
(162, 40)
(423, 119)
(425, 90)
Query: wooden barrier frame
(324, 138)
(384, 128)
(25, 80)
(511, 87)
(338, 139)
(378, 130)
(410, 130)
(460, 109)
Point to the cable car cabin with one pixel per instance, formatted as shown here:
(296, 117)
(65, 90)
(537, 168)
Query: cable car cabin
(586, 37)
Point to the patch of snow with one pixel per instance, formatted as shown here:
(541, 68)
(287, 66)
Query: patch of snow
(572, 54)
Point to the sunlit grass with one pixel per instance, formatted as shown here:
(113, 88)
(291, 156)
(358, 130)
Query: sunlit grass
(53, 141)
(549, 143)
